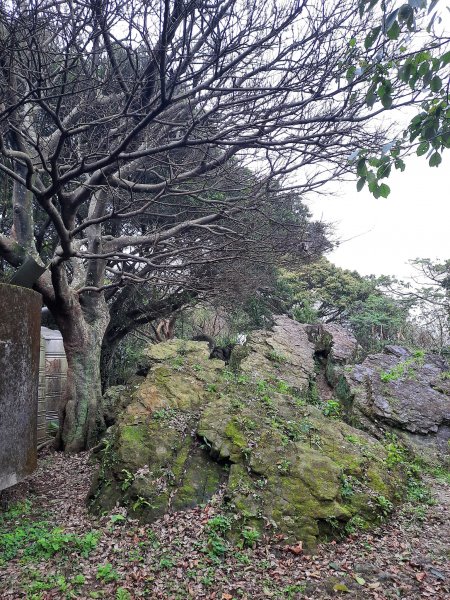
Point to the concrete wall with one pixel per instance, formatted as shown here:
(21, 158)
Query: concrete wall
(20, 317)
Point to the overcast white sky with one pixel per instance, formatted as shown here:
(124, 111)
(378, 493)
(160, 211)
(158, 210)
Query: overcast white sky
(414, 222)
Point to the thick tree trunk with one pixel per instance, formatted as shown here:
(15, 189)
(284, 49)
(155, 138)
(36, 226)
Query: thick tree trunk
(81, 419)
(108, 351)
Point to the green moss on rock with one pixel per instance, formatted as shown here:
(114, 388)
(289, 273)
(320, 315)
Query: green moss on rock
(192, 427)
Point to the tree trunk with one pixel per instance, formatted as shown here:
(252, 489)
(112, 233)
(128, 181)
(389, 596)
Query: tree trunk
(81, 418)
(108, 351)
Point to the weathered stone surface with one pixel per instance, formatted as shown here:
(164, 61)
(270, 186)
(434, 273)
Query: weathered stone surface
(194, 425)
(19, 377)
(339, 345)
(153, 462)
(115, 399)
(285, 352)
(344, 347)
(406, 392)
(289, 464)
(335, 348)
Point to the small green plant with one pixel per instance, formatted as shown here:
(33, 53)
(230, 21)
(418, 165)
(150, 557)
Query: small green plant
(128, 479)
(117, 518)
(246, 452)
(354, 439)
(395, 454)
(419, 356)
(107, 573)
(217, 546)
(182, 348)
(219, 523)
(384, 505)
(140, 502)
(249, 537)
(356, 523)
(122, 594)
(248, 423)
(333, 524)
(262, 386)
(208, 578)
(178, 361)
(313, 394)
(397, 372)
(316, 440)
(135, 555)
(163, 413)
(243, 558)
(166, 563)
(419, 493)
(291, 591)
(79, 579)
(284, 466)
(332, 408)
(14, 511)
(52, 428)
(347, 489)
(42, 583)
(283, 387)
(441, 473)
(404, 369)
(211, 387)
(88, 542)
(267, 400)
(276, 357)
(237, 404)
(34, 540)
(415, 513)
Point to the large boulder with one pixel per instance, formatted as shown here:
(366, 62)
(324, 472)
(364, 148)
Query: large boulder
(195, 427)
(407, 393)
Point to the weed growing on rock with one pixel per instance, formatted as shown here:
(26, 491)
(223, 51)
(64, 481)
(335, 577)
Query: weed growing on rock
(249, 537)
(332, 408)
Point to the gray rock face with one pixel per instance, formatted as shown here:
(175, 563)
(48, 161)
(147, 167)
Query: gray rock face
(285, 352)
(407, 392)
(344, 347)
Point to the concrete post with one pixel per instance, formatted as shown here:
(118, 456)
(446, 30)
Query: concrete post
(20, 318)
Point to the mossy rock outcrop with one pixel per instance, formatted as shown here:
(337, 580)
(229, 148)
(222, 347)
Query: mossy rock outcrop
(406, 393)
(195, 427)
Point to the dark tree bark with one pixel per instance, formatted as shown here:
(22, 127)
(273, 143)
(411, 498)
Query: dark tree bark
(128, 135)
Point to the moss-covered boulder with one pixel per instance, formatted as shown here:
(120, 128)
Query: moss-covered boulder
(194, 427)
(293, 469)
(152, 461)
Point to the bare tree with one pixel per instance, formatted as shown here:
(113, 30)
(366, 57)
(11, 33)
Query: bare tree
(128, 132)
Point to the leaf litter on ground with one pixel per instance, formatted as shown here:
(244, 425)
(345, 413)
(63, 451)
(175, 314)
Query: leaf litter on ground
(406, 557)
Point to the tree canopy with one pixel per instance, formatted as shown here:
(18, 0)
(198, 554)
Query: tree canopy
(148, 142)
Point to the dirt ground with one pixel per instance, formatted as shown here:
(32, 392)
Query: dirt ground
(51, 547)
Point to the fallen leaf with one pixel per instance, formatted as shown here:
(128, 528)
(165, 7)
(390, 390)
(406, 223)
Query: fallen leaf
(420, 576)
(340, 587)
(297, 549)
(359, 580)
